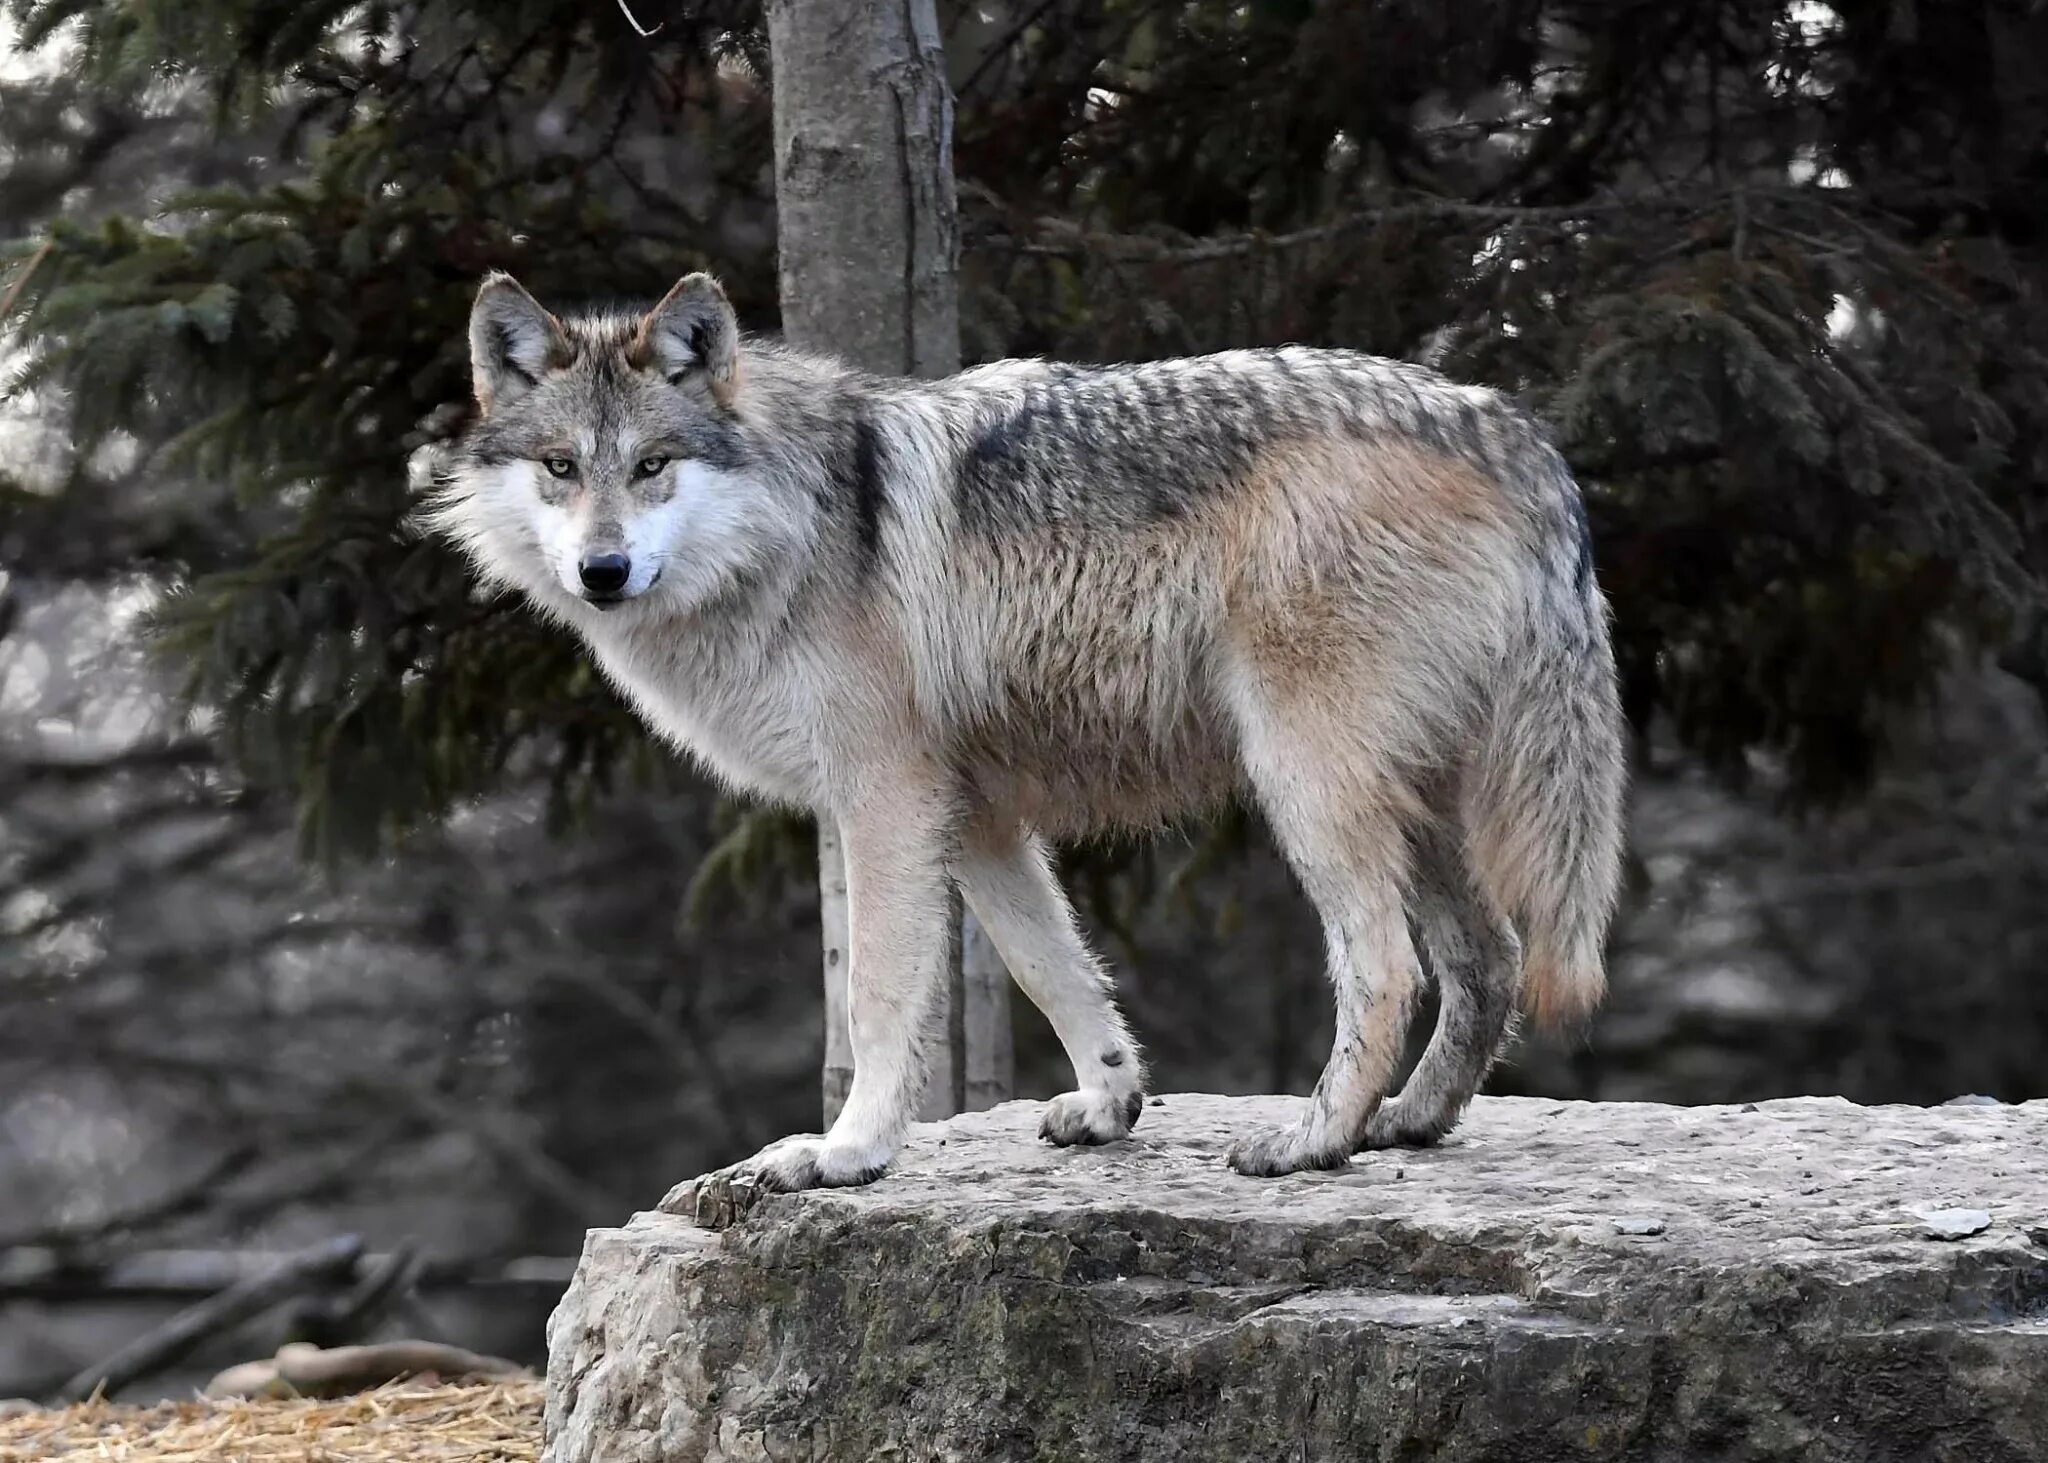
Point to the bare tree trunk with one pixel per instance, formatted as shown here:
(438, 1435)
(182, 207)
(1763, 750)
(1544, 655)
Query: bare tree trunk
(869, 248)
(832, 919)
(990, 1075)
(945, 1090)
(868, 237)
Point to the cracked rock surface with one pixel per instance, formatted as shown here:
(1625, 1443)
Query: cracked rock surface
(1557, 1280)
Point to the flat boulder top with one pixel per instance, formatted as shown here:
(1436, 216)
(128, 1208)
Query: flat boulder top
(1802, 1211)
(1801, 1281)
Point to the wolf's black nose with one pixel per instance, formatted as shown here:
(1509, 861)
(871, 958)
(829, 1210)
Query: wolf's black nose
(605, 573)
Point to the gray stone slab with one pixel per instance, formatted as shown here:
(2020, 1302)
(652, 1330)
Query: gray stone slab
(1558, 1280)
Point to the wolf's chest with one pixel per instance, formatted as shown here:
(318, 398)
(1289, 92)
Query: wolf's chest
(748, 722)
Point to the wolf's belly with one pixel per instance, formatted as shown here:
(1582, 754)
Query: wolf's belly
(1068, 775)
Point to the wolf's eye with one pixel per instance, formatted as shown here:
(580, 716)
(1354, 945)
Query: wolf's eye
(648, 467)
(559, 467)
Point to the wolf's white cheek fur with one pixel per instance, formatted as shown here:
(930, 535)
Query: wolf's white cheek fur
(507, 528)
(561, 535)
(714, 525)
(558, 534)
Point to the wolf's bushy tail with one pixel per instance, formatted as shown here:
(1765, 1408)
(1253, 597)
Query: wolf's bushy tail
(1543, 798)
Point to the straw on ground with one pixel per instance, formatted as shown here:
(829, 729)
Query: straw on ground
(494, 1422)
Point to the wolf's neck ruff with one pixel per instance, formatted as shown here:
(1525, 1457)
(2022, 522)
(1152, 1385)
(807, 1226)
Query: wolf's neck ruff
(964, 617)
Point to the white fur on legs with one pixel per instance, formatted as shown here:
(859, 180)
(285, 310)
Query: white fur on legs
(898, 906)
(897, 911)
(1007, 878)
(1091, 1115)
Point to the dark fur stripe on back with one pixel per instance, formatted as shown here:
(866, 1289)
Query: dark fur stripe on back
(1109, 447)
(862, 481)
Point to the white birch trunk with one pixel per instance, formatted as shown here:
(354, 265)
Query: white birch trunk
(832, 918)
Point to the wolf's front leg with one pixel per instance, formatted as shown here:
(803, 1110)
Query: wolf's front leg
(1006, 874)
(897, 897)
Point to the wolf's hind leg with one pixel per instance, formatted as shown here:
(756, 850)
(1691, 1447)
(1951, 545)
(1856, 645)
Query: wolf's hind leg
(1339, 820)
(1474, 954)
(1007, 879)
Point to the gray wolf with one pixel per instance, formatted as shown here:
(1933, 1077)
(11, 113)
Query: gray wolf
(969, 617)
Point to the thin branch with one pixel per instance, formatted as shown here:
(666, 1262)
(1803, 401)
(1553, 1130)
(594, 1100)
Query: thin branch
(1062, 240)
(380, 1290)
(21, 280)
(634, 21)
(142, 756)
(999, 49)
(240, 1302)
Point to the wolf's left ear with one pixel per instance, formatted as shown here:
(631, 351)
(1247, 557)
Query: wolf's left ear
(693, 328)
(512, 342)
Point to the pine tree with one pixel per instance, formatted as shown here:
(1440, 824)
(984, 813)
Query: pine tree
(1774, 280)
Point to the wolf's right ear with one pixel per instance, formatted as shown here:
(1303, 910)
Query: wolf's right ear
(512, 341)
(693, 328)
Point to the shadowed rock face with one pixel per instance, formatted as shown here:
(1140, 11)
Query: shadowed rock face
(1558, 1280)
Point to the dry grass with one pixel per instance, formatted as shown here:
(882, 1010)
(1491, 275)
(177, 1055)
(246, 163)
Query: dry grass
(405, 1422)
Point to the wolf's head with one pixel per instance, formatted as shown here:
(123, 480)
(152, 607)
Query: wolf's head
(609, 464)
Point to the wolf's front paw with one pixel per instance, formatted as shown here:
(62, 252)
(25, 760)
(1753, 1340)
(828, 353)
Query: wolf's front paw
(1394, 1126)
(720, 1198)
(1273, 1151)
(1092, 1115)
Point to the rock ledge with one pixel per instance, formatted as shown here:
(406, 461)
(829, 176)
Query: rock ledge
(1558, 1280)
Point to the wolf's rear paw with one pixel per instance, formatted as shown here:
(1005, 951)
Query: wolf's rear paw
(1092, 1115)
(720, 1198)
(1393, 1126)
(1271, 1152)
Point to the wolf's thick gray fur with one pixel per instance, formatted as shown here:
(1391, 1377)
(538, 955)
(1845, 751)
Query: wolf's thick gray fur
(1035, 600)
